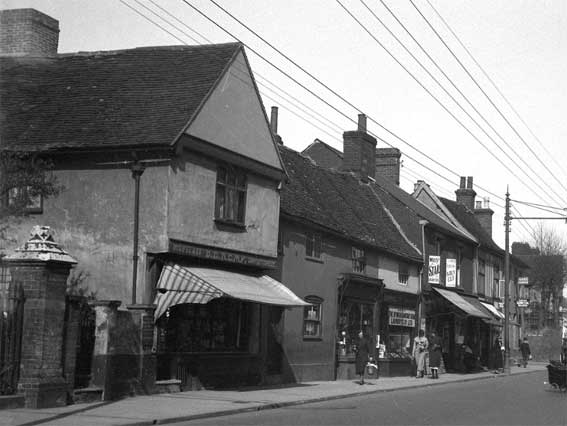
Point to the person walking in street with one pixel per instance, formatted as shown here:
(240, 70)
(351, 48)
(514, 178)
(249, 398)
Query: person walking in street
(434, 354)
(526, 353)
(362, 355)
(420, 346)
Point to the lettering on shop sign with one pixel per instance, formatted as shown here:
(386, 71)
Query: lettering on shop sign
(186, 249)
(451, 273)
(402, 317)
(434, 269)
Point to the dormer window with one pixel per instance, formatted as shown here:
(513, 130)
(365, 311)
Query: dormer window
(230, 202)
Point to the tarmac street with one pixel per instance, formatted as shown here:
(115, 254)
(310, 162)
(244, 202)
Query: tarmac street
(454, 391)
(515, 400)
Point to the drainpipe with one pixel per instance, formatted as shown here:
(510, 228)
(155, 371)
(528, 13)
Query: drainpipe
(137, 170)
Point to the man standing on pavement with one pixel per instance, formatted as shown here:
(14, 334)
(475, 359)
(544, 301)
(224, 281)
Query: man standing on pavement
(526, 353)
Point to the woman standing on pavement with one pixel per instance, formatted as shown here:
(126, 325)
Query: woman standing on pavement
(434, 354)
(362, 355)
(420, 346)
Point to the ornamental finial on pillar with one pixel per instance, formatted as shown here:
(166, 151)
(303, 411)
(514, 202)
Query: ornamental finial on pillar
(41, 246)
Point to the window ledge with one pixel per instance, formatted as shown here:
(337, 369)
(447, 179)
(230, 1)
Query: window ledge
(314, 259)
(312, 339)
(229, 224)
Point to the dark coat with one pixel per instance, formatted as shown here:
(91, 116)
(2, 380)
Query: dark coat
(525, 349)
(435, 352)
(362, 354)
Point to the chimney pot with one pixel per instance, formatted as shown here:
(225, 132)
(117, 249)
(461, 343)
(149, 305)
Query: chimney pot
(470, 182)
(274, 120)
(478, 205)
(362, 123)
(463, 182)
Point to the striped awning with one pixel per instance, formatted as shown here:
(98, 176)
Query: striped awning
(493, 310)
(182, 284)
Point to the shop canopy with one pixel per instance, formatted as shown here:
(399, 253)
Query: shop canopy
(461, 303)
(493, 310)
(182, 284)
(494, 319)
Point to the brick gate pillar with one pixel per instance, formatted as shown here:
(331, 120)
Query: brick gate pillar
(41, 268)
(143, 318)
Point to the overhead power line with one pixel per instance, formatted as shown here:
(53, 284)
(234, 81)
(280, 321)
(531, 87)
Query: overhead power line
(512, 172)
(486, 95)
(434, 62)
(331, 91)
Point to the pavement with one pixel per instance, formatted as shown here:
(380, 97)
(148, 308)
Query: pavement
(192, 405)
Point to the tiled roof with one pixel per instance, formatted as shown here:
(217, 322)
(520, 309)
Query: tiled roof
(135, 97)
(341, 203)
(403, 203)
(324, 154)
(471, 223)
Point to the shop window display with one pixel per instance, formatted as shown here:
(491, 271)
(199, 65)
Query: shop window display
(354, 317)
(222, 325)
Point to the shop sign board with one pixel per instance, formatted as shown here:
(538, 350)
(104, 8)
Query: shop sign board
(523, 281)
(434, 270)
(402, 317)
(451, 273)
(522, 303)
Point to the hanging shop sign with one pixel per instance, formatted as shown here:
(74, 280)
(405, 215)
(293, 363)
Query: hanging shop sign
(523, 281)
(451, 273)
(402, 317)
(434, 270)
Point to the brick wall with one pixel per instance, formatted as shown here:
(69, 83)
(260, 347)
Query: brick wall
(358, 153)
(388, 164)
(27, 31)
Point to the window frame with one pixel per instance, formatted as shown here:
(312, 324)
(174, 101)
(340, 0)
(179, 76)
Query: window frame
(317, 303)
(316, 251)
(358, 257)
(236, 181)
(403, 272)
(35, 205)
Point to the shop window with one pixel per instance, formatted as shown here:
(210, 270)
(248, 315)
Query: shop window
(353, 318)
(403, 273)
(399, 343)
(313, 318)
(230, 202)
(313, 245)
(25, 198)
(358, 260)
(222, 325)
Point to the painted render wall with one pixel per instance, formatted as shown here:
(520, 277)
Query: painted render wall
(191, 207)
(93, 219)
(309, 359)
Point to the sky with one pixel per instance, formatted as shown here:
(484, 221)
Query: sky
(520, 91)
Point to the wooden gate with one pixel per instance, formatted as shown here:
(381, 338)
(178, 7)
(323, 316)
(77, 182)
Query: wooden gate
(11, 321)
(85, 346)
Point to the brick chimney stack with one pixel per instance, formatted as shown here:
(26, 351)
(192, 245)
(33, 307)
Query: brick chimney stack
(28, 32)
(466, 194)
(388, 164)
(484, 213)
(359, 151)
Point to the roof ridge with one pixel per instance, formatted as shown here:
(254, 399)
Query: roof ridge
(172, 47)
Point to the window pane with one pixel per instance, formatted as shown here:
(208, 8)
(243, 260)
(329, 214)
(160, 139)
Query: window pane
(241, 206)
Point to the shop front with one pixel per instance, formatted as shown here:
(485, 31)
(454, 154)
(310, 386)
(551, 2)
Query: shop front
(397, 329)
(212, 325)
(459, 324)
(358, 310)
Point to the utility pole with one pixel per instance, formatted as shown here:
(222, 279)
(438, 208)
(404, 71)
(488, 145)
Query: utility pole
(137, 170)
(507, 285)
(507, 219)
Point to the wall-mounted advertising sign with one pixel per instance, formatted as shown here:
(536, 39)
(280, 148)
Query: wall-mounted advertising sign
(434, 270)
(523, 280)
(451, 273)
(402, 317)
